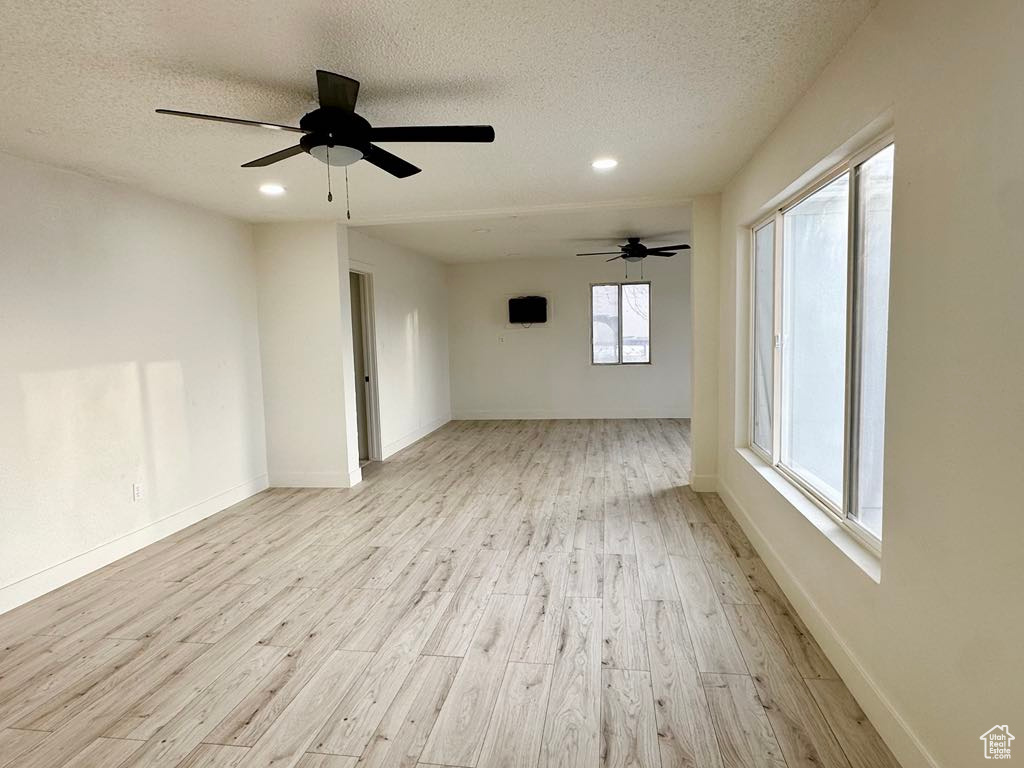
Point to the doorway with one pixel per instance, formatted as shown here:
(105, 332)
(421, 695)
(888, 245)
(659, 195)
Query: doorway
(364, 365)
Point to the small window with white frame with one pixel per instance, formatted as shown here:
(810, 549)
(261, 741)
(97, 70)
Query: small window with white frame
(819, 313)
(620, 323)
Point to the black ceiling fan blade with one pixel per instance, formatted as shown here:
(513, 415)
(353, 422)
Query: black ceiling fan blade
(655, 253)
(668, 248)
(235, 120)
(336, 90)
(465, 133)
(284, 154)
(601, 253)
(613, 258)
(393, 164)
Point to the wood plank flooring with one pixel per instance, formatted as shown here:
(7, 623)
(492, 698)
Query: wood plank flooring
(537, 594)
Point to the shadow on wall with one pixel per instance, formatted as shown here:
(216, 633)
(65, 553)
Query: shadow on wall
(88, 435)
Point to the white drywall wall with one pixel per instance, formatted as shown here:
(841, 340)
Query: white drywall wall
(933, 651)
(704, 424)
(128, 354)
(305, 338)
(544, 371)
(410, 302)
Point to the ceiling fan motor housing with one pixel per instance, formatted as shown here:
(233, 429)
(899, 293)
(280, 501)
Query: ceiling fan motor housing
(335, 135)
(633, 250)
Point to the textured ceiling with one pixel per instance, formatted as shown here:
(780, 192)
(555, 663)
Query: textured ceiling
(680, 91)
(559, 233)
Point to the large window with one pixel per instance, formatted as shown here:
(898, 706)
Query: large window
(620, 323)
(820, 308)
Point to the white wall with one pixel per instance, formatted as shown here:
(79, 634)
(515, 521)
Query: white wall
(306, 344)
(306, 337)
(932, 651)
(128, 353)
(704, 425)
(544, 371)
(410, 297)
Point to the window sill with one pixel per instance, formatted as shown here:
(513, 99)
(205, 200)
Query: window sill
(861, 555)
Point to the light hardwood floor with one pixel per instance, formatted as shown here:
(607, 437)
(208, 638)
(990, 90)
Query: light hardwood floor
(524, 593)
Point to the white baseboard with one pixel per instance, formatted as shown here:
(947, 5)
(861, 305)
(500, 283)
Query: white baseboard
(417, 434)
(585, 413)
(902, 740)
(37, 584)
(316, 479)
(704, 483)
(310, 480)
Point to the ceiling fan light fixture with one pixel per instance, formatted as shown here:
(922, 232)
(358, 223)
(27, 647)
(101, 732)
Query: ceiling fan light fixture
(604, 163)
(271, 189)
(338, 155)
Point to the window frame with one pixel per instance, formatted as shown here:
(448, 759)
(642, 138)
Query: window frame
(650, 322)
(853, 339)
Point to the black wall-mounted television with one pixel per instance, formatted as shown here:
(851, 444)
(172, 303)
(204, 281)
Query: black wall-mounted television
(528, 310)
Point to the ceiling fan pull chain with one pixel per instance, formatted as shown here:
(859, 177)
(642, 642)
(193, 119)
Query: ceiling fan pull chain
(348, 204)
(330, 197)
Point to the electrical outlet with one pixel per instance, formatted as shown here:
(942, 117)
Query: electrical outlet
(136, 491)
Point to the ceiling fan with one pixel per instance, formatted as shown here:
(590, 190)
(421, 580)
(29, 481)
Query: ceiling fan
(334, 134)
(634, 250)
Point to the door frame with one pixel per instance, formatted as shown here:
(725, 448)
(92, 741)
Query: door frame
(364, 280)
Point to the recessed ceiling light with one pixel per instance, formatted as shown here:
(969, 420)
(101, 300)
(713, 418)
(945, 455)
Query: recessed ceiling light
(604, 163)
(271, 189)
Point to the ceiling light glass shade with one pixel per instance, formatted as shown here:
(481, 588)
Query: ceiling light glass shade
(339, 155)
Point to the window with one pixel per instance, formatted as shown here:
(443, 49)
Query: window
(871, 319)
(604, 323)
(620, 323)
(819, 329)
(764, 335)
(814, 337)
